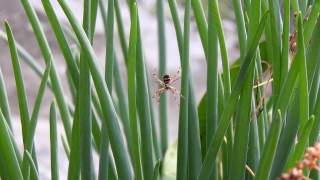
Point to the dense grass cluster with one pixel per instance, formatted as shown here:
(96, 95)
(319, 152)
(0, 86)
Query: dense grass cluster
(235, 132)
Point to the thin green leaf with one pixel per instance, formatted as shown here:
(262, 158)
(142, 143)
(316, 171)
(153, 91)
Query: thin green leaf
(110, 117)
(242, 35)
(62, 41)
(229, 108)
(65, 147)
(104, 160)
(4, 104)
(293, 121)
(27, 58)
(22, 98)
(132, 93)
(182, 159)
(84, 95)
(278, 76)
(143, 107)
(123, 42)
(193, 134)
(74, 155)
(45, 49)
(312, 19)
(304, 93)
(285, 40)
(163, 114)
(212, 82)
(201, 23)
(29, 144)
(33, 166)
(108, 22)
(301, 145)
(242, 128)
(156, 170)
(269, 149)
(8, 152)
(123, 105)
(54, 142)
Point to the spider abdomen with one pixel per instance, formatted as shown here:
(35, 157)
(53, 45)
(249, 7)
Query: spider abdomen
(166, 78)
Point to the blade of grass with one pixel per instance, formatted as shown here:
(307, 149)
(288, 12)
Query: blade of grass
(276, 58)
(93, 17)
(155, 137)
(123, 105)
(22, 99)
(45, 49)
(224, 55)
(29, 144)
(313, 67)
(117, 75)
(303, 79)
(4, 104)
(27, 57)
(74, 155)
(84, 95)
(212, 82)
(163, 114)
(104, 160)
(254, 150)
(242, 35)
(182, 157)
(312, 19)
(201, 23)
(132, 93)
(290, 131)
(23, 103)
(54, 142)
(71, 62)
(62, 41)
(33, 166)
(72, 87)
(3, 169)
(65, 146)
(155, 174)
(193, 134)
(143, 107)
(242, 128)
(8, 152)
(269, 149)
(110, 117)
(282, 106)
(120, 26)
(229, 108)
(301, 145)
(108, 20)
(285, 39)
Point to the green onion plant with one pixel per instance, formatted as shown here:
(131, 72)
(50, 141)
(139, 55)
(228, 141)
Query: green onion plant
(255, 121)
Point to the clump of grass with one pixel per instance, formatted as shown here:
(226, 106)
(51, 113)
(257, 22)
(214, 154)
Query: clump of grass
(234, 128)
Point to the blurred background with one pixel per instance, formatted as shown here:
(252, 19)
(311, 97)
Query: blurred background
(13, 12)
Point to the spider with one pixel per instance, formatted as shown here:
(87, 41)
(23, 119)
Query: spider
(166, 82)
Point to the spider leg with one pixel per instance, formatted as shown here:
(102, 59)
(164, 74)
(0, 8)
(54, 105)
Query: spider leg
(158, 80)
(161, 83)
(175, 98)
(157, 92)
(174, 80)
(160, 91)
(176, 91)
(176, 74)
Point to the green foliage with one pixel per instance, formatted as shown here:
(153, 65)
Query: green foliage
(235, 127)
